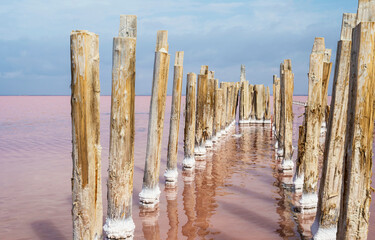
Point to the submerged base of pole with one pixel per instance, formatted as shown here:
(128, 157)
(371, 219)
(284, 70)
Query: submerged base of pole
(171, 176)
(309, 203)
(188, 162)
(149, 198)
(119, 229)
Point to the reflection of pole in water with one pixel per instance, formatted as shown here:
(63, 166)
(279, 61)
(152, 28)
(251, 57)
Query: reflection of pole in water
(150, 224)
(189, 230)
(172, 211)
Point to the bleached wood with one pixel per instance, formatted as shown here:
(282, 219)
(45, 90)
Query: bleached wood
(216, 111)
(267, 114)
(243, 73)
(119, 223)
(259, 91)
(223, 85)
(299, 173)
(209, 109)
(354, 215)
(190, 113)
(332, 171)
(87, 209)
(149, 196)
(313, 124)
(348, 23)
(366, 11)
(251, 102)
(200, 116)
(171, 172)
(287, 87)
(281, 133)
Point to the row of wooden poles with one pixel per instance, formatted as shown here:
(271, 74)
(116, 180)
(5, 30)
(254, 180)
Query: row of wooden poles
(210, 114)
(342, 201)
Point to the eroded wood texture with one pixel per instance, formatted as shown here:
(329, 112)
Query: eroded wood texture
(287, 87)
(267, 114)
(356, 198)
(281, 133)
(224, 86)
(156, 119)
(121, 150)
(259, 91)
(314, 112)
(87, 209)
(216, 110)
(331, 180)
(174, 125)
(200, 119)
(190, 113)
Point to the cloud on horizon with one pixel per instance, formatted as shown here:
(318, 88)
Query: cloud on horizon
(34, 38)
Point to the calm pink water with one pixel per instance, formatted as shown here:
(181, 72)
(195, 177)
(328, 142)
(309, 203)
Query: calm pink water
(237, 194)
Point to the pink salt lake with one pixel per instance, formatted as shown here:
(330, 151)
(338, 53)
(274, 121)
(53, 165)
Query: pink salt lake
(235, 193)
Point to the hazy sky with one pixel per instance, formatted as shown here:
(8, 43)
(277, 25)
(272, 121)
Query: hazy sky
(35, 51)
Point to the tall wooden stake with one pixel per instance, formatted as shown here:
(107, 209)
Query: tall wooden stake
(276, 107)
(356, 197)
(287, 87)
(201, 114)
(328, 210)
(216, 112)
(119, 223)
(267, 114)
(190, 113)
(149, 196)
(171, 173)
(314, 113)
(327, 67)
(87, 210)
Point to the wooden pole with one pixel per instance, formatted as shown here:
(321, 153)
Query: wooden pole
(251, 103)
(259, 98)
(224, 86)
(327, 67)
(287, 87)
(216, 112)
(190, 113)
(87, 210)
(236, 100)
(210, 109)
(243, 73)
(171, 173)
(281, 133)
(313, 124)
(229, 106)
(200, 117)
(119, 223)
(267, 114)
(276, 107)
(331, 181)
(299, 174)
(356, 197)
(149, 196)
(242, 116)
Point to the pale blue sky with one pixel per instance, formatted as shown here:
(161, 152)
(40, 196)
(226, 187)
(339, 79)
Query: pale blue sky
(34, 38)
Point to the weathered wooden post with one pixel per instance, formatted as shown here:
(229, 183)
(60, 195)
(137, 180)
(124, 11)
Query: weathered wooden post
(201, 116)
(327, 67)
(251, 103)
(87, 210)
(267, 114)
(325, 225)
(287, 87)
(216, 113)
(280, 150)
(276, 107)
(119, 223)
(189, 133)
(149, 196)
(314, 113)
(229, 106)
(299, 174)
(243, 106)
(356, 196)
(223, 85)
(209, 110)
(243, 73)
(171, 174)
(259, 97)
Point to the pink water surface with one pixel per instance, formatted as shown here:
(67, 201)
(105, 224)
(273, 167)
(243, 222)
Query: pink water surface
(236, 192)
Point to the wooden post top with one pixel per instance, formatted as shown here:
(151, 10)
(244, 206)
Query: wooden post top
(179, 58)
(319, 45)
(348, 23)
(128, 26)
(211, 74)
(327, 55)
(366, 11)
(76, 32)
(162, 41)
(204, 70)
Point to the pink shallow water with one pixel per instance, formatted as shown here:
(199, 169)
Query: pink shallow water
(235, 193)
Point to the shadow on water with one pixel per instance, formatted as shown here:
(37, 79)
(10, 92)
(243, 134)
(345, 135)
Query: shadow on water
(45, 229)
